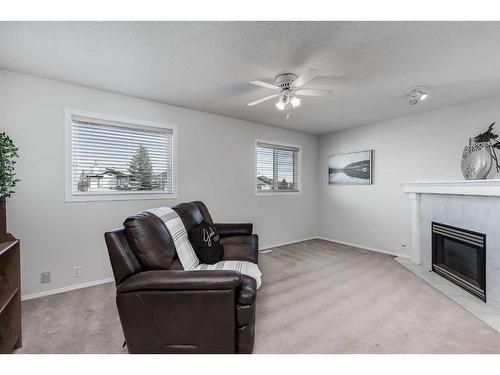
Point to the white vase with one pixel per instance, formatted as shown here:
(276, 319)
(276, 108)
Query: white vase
(476, 160)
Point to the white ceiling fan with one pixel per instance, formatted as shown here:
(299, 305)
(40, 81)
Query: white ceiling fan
(290, 88)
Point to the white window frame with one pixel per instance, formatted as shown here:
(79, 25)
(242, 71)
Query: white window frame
(299, 169)
(70, 196)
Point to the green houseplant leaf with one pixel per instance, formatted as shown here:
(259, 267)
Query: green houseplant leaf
(490, 137)
(8, 154)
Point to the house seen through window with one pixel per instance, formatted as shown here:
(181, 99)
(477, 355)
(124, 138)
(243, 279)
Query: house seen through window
(277, 168)
(117, 158)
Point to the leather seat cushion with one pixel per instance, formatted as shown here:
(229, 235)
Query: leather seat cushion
(176, 265)
(247, 292)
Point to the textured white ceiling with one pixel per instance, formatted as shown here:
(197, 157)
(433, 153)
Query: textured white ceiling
(206, 65)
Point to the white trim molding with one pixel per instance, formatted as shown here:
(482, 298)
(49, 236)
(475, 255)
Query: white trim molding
(363, 247)
(490, 188)
(414, 254)
(265, 248)
(394, 253)
(71, 197)
(50, 292)
(299, 169)
(262, 250)
(467, 187)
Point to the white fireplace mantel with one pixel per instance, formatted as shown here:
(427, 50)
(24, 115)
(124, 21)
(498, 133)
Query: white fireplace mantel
(489, 188)
(465, 204)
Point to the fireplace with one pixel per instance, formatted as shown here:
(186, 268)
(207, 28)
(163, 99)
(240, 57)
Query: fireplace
(459, 255)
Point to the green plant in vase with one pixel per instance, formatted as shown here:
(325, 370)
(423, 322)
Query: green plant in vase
(8, 156)
(491, 138)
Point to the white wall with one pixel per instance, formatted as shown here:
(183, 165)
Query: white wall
(421, 147)
(215, 164)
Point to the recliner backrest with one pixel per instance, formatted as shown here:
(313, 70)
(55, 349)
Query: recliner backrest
(145, 243)
(189, 213)
(151, 241)
(204, 211)
(123, 260)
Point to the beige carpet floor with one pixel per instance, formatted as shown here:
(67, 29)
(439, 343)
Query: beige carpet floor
(317, 297)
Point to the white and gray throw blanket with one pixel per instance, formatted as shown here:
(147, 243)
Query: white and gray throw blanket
(186, 253)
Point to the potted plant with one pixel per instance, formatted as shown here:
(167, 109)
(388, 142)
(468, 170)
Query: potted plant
(491, 139)
(8, 180)
(478, 156)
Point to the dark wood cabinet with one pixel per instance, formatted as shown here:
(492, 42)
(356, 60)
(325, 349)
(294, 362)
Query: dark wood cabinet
(10, 290)
(10, 297)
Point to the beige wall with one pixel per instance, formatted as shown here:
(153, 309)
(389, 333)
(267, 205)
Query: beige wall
(215, 164)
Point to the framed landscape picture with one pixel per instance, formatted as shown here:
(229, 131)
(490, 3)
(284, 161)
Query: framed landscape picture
(352, 168)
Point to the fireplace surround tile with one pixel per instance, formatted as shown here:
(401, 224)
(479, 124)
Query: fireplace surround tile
(471, 205)
(474, 213)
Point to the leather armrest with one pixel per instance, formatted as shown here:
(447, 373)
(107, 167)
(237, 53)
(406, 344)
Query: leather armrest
(248, 290)
(241, 248)
(181, 280)
(226, 230)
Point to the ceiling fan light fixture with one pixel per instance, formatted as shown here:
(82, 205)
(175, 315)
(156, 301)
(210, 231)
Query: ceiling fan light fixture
(283, 101)
(413, 100)
(290, 89)
(295, 101)
(416, 95)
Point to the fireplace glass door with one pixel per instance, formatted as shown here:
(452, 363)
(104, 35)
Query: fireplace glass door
(459, 256)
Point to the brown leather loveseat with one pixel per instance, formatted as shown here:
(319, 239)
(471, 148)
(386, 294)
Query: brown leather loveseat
(164, 309)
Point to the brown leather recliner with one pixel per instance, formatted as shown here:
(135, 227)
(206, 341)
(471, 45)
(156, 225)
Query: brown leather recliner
(164, 309)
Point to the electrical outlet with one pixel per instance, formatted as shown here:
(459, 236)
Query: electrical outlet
(45, 277)
(76, 271)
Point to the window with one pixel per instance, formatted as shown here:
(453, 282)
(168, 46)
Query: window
(109, 159)
(277, 168)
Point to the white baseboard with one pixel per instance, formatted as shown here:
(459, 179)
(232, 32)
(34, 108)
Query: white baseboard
(265, 249)
(364, 247)
(65, 289)
(108, 280)
(286, 243)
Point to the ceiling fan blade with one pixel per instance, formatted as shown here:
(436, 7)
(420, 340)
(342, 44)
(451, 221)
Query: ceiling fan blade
(306, 77)
(263, 100)
(313, 92)
(264, 84)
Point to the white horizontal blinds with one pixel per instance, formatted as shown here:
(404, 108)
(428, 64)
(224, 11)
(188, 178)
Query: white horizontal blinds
(277, 168)
(112, 157)
(265, 170)
(286, 170)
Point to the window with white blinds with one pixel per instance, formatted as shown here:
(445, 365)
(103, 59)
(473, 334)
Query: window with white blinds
(277, 168)
(119, 158)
